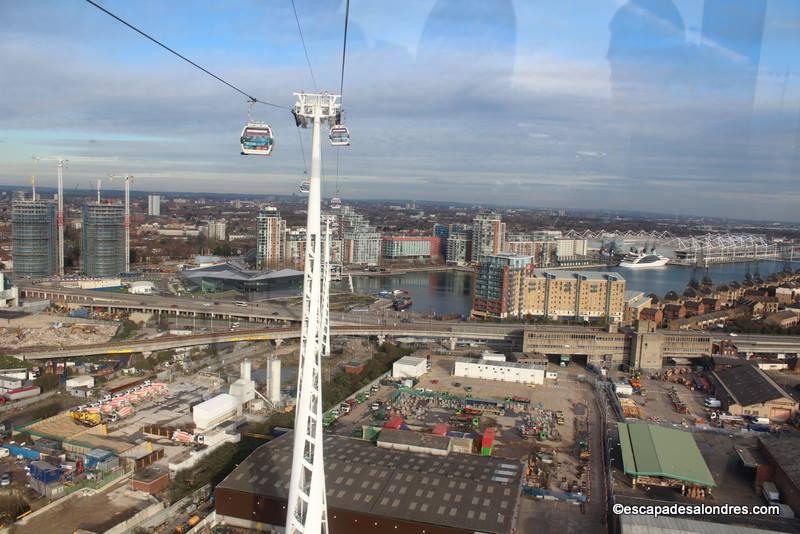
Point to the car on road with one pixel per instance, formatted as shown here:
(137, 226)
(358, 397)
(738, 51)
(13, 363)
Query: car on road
(206, 304)
(275, 313)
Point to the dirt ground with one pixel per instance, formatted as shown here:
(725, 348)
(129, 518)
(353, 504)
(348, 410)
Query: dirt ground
(96, 513)
(64, 336)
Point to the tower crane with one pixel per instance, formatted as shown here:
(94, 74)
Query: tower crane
(127, 222)
(62, 163)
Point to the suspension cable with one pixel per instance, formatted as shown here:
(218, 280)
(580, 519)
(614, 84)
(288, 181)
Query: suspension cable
(305, 50)
(344, 44)
(250, 97)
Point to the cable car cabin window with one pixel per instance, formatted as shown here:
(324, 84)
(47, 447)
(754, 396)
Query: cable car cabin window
(339, 136)
(257, 140)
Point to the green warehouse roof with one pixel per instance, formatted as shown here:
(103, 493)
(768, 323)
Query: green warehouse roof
(659, 451)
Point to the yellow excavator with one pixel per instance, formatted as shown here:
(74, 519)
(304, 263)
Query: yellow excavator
(86, 418)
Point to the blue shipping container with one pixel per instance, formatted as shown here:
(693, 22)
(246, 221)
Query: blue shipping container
(16, 450)
(45, 472)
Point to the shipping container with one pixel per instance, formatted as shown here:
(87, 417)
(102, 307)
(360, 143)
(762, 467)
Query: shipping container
(395, 423)
(23, 393)
(16, 450)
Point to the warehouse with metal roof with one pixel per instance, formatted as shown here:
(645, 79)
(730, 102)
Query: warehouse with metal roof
(747, 390)
(372, 489)
(661, 456)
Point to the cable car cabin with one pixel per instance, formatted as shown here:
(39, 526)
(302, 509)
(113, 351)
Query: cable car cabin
(336, 203)
(256, 139)
(340, 136)
(305, 187)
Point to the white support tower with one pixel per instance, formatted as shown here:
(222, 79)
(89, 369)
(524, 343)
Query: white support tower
(307, 507)
(326, 286)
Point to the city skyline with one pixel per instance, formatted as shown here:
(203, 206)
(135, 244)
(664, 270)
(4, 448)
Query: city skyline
(580, 123)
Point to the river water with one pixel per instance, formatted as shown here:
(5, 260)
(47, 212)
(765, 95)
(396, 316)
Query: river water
(449, 292)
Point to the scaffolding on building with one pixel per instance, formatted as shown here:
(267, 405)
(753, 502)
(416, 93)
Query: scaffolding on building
(103, 239)
(33, 238)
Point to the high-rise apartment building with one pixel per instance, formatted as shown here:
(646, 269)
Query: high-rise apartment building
(103, 239)
(361, 242)
(270, 232)
(154, 205)
(488, 234)
(459, 247)
(499, 283)
(507, 285)
(442, 231)
(217, 230)
(34, 240)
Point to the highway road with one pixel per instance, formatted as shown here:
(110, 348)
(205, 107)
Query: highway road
(262, 311)
(441, 331)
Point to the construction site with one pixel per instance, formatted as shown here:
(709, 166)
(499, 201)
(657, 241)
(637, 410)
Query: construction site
(546, 427)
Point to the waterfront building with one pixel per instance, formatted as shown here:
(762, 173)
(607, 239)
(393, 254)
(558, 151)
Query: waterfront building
(488, 234)
(361, 242)
(508, 286)
(224, 277)
(442, 231)
(459, 247)
(270, 232)
(498, 290)
(154, 205)
(34, 239)
(103, 239)
(569, 249)
(586, 295)
(402, 246)
(294, 248)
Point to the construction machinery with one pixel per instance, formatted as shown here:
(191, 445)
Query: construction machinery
(86, 418)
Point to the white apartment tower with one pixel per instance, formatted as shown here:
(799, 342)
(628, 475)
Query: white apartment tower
(488, 234)
(154, 205)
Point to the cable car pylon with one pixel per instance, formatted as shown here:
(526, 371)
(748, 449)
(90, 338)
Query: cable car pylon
(306, 511)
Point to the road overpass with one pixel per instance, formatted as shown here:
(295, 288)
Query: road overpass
(452, 333)
(270, 312)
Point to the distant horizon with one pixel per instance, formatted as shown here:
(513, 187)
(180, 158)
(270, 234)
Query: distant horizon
(679, 106)
(115, 193)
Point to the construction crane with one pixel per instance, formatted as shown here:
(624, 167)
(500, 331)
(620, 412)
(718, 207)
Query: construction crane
(62, 163)
(127, 223)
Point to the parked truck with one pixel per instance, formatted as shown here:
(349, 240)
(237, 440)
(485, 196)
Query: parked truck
(770, 492)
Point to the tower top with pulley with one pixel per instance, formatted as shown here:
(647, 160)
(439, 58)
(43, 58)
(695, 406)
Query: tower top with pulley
(329, 108)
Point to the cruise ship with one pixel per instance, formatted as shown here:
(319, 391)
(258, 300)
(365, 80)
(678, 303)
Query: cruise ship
(643, 260)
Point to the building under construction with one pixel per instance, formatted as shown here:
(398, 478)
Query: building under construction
(103, 239)
(33, 238)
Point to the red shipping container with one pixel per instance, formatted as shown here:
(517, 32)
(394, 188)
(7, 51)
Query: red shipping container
(394, 423)
(488, 438)
(440, 429)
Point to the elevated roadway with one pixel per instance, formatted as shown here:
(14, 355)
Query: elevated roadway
(269, 312)
(453, 333)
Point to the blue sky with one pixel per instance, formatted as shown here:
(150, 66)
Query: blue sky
(680, 106)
